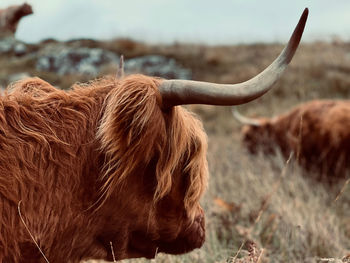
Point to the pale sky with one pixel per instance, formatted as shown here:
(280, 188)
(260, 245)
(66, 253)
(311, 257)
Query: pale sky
(196, 21)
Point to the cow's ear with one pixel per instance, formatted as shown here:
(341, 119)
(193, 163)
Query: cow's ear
(130, 129)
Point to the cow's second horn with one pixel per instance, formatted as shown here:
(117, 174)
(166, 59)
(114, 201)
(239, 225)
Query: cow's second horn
(245, 120)
(179, 92)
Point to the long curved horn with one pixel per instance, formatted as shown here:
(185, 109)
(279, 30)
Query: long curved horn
(178, 92)
(242, 119)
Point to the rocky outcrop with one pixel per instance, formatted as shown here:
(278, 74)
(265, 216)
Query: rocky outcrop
(155, 65)
(65, 60)
(10, 45)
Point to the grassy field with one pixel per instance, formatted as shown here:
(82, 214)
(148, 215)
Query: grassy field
(258, 208)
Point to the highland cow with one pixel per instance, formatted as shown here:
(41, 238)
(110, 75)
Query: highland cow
(317, 132)
(112, 168)
(10, 17)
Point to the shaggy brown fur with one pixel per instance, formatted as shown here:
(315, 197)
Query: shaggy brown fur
(10, 17)
(318, 132)
(97, 164)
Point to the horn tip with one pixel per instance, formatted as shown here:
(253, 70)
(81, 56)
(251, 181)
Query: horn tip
(296, 36)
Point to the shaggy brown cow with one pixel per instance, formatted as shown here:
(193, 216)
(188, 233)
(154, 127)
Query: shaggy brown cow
(10, 17)
(110, 167)
(317, 132)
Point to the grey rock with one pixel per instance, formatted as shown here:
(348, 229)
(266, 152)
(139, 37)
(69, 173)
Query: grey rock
(20, 49)
(10, 44)
(7, 44)
(155, 65)
(68, 60)
(89, 61)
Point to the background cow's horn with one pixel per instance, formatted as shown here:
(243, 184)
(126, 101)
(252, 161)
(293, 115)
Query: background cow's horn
(242, 119)
(178, 92)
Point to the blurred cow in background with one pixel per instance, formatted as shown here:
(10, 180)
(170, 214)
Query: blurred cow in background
(10, 17)
(317, 132)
